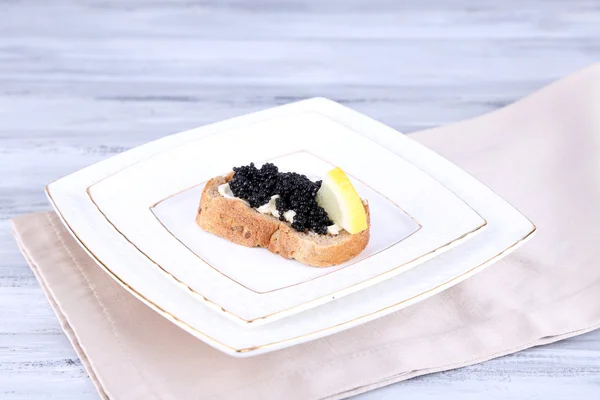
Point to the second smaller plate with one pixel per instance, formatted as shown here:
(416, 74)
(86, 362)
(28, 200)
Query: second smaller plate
(149, 207)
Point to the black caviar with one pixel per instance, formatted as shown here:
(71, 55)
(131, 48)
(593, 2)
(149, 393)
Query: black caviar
(296, 192)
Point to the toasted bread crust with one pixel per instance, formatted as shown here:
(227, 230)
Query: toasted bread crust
(237, 222)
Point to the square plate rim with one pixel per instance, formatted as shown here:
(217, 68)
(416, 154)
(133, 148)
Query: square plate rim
(246, 352)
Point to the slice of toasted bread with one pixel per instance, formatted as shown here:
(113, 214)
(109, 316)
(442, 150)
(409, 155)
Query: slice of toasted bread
(233, 220)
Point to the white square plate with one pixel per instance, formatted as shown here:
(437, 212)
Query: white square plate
(253, 285)
(506, 229)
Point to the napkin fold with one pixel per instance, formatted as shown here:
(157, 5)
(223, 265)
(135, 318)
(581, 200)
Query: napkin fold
(542, 154)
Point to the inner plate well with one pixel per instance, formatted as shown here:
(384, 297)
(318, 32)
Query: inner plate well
(263, 271)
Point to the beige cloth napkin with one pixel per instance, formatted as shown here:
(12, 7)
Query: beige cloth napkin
(542, 154)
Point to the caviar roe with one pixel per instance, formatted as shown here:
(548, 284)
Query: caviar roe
(296, 192)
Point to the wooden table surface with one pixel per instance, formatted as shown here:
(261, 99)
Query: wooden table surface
(81, 81)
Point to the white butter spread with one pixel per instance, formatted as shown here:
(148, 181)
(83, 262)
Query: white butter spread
(289, 215)
(271, 208)
(225, 191)
(334, 229)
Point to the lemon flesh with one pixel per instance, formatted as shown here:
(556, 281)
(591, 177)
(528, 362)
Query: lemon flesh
(342, 202)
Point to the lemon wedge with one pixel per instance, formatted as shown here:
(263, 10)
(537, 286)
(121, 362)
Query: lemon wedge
(341, 201)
